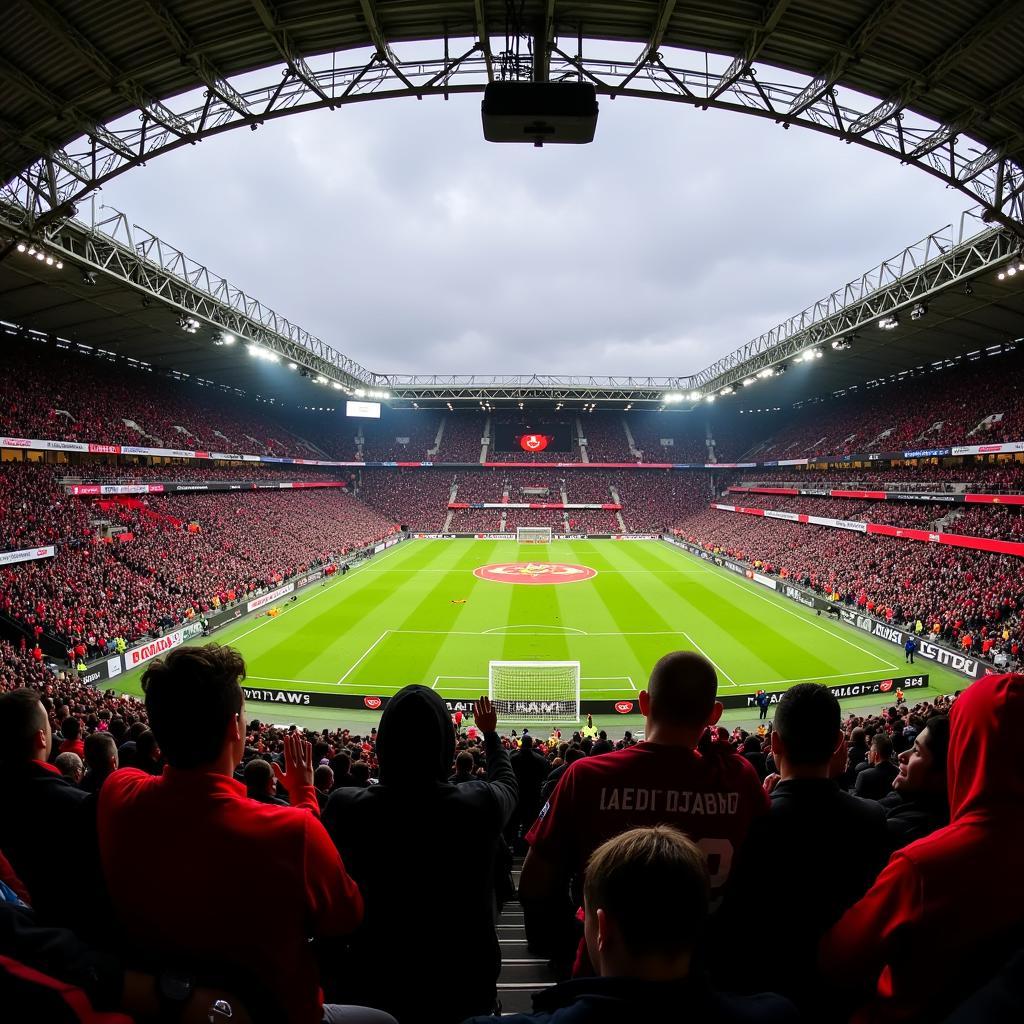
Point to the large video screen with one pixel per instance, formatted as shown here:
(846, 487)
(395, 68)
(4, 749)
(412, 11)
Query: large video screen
(535, 438)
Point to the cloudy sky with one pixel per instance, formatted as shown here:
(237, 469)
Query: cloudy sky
(396, 234)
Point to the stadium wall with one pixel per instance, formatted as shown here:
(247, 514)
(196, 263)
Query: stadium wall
(962, 664)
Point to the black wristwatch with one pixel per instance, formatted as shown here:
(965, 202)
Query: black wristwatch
(174, 989)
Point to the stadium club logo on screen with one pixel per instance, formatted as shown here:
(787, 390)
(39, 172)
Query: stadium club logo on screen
(534, 572)
(534, 442)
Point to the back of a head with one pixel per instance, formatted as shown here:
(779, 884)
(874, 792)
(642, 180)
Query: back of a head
(416, 742)
(465, 763)
(653, 883)
(323, 777)
(807, 722)
(22, 715)
(527, 742)
(574, 754)
(882, 745)
(71, 728)
(682, 689)
(191, 696)
(257, 774)
(100, 751)
(69, 765)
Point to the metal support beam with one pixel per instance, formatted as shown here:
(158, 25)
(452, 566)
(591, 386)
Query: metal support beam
(289, 53)
(658, 30)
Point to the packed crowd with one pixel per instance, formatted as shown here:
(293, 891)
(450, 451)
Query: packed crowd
(973, 403)
(1002, 477)
(64, 395)
(893, 513)
(126, 473)
(176, 557)
(645, 858)
(969, 598)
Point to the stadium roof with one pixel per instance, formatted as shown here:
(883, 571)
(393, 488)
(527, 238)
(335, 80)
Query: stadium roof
(87, 88)
(91, 90)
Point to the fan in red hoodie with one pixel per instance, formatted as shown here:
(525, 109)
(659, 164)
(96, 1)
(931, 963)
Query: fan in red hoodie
(920, 935)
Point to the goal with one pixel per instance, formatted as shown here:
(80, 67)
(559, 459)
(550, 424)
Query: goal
(535, 691)
(533, 534)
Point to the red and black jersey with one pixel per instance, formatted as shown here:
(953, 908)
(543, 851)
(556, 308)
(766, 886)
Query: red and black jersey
(711, 797)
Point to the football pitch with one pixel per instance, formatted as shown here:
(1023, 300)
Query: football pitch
(437, 612)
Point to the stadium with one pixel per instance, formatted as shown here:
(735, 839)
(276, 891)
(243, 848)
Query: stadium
(359, 643)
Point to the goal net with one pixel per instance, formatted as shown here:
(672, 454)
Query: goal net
(535, 691)
(533, 534)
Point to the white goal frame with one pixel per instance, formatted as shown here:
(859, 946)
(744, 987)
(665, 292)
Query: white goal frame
(533, 534)
(516, 691)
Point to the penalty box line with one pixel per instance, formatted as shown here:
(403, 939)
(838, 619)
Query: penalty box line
(583, 679)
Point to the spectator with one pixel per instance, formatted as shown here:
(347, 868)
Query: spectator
(921, 912)
(663, 780)
(194, 824)
(71, 730)
(70, 766)
(531, 769)
(918, 804)
(819, 848)
(645, 907)
(323, 782)
(456, 830)
(260, 783)
(875, 781)
(43, 827)
(100, 759)
(465, 768)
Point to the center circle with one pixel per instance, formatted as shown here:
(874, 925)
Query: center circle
(534, 573)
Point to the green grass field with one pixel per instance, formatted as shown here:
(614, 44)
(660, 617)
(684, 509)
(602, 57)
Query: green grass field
(418, 614)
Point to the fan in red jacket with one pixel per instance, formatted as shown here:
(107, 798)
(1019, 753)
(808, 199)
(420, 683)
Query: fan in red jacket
(939, 919)
(183, 853)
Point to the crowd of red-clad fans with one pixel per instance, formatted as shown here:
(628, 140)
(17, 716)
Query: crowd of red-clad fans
(62, 393)
(977, 402)
(134, 835)
(169, 557)
(980, 477)
(973, 599)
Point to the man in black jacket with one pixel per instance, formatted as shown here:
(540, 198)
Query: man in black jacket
(875, 781)
(645, 904)
(531, 769)
(44, 827)
(819, 848)
(422, 852)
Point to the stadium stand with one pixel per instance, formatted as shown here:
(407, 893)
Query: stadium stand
(970, 598)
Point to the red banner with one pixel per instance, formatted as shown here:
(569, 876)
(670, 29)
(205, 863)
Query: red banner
(1002, 547)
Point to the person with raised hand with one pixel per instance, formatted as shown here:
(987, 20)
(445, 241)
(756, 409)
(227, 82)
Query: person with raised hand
(183, 851)
(412, 842)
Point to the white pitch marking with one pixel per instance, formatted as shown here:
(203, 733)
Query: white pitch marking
(487, 632)
(361, 657)
(724, 575)
(500, 630)
(732, 682)
(322, 590)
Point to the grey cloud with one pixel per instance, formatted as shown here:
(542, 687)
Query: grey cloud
(395, 233)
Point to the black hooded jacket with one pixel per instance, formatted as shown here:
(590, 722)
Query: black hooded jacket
(422, 852)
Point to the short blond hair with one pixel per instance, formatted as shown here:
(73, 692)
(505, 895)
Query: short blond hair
(653, 883)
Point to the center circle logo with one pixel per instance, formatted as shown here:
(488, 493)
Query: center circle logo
(535, 572)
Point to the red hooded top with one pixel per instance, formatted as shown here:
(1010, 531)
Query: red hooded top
(935, 923)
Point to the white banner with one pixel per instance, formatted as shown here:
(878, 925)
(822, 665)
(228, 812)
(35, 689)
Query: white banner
(989, 449)
(161, 645)
(269, 598)
(792, 516)
(26, 555)
(839, 524)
